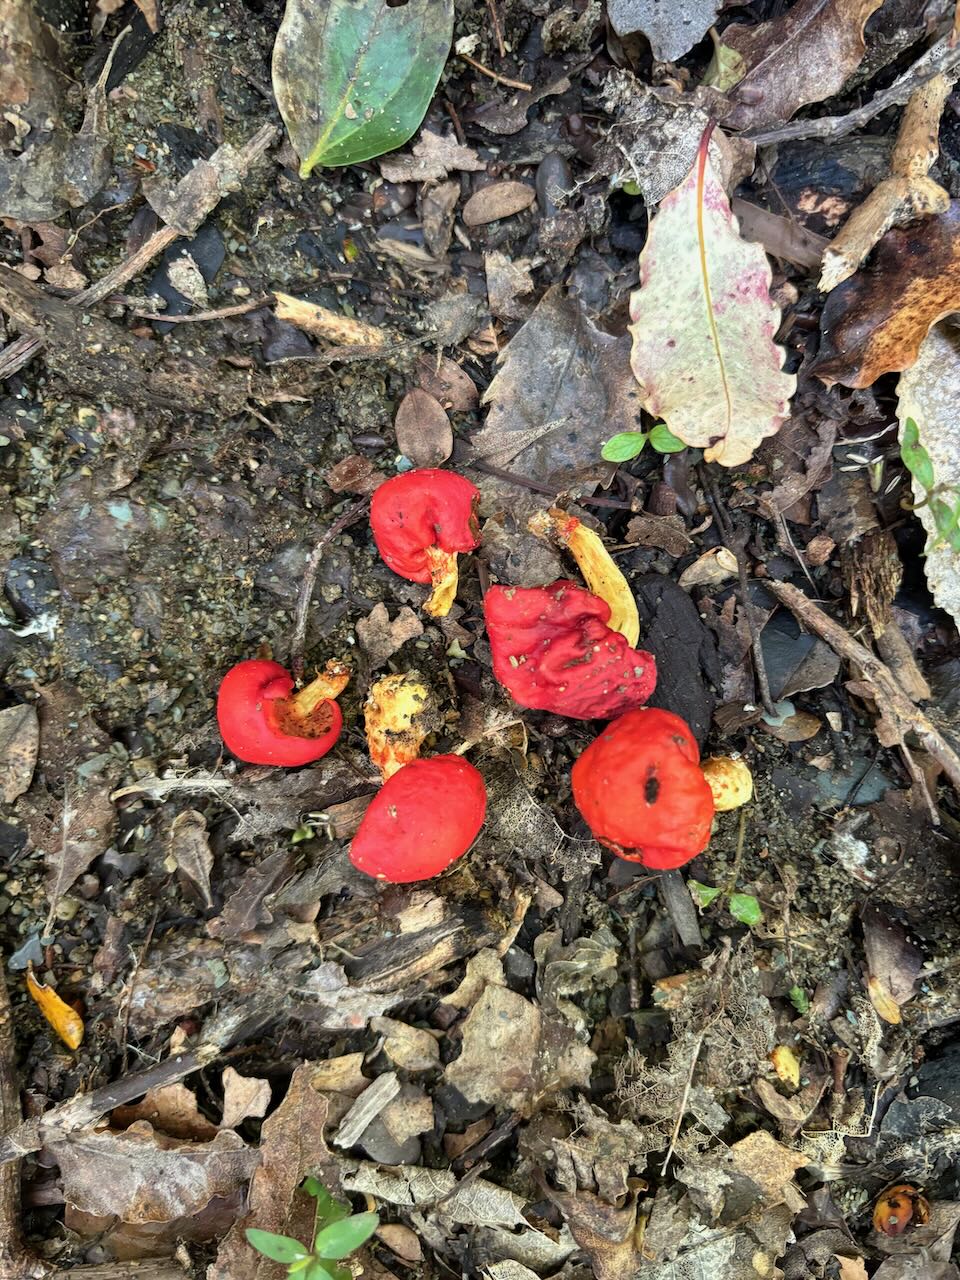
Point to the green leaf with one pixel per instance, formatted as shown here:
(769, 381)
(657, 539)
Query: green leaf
(341, 1238)
(623, 447)
(328, 1209)
(664, 441)
(328, 1271)
(745, 908)
(703, 894)
(915, 457)
(353, 78)
(277, 1248)
(630, 188)
(799, 999)
(301, 1264)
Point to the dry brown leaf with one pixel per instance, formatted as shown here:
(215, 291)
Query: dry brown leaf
(243, 1096)
(803, 56)
(409, 1048)
(291, 1146)
(770, 1165)
(477, 1203)
(507, 280)
(423, 430)
(607, 1234)
(340, 1075)
(894, 964)
(189, 851)
(89, 822)
(875, 322)
(498, 200)
(171, 1110)
(19, 744)
(448, 383)
(851, 1268)
(401, 1241)
(140, 1175)
(432, 157)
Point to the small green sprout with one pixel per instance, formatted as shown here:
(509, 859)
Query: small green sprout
(742, 906)
(630, 444)
(943, 501)
(336, 1233)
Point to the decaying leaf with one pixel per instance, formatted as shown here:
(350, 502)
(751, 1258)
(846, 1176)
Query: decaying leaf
(19, 744)
(171, 1110)
(704, 322)
(803, 56)
(929, 394)
(423, 429)
(89, 821)
(875, 322)
(65, 1021)
(291, 1147)
(907, 194)
(380, 638)
(498, 200)
(606, 1233)
(893, 963)
(512, 1057)
(140, 1175)
(243, 1096)
(432, 157)
(477, 1204)
(672, 29)
(354, 81)
(189, 851)
(561, 388)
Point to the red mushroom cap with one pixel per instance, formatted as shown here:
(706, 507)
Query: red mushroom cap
(641, 791)
(261, 723)
(420, 509)
(423, 818)
(553, 651)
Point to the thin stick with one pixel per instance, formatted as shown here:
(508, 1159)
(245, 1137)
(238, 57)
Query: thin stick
(15, 1262)
(901, 714)
(198, 317)
(495, 20)
(308, 585)
(495, 75)
(941, 57)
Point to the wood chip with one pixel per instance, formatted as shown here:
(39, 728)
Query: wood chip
(330, 326)
(498, 200)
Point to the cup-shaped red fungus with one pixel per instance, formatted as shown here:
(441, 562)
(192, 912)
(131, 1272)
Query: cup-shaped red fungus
(263, 721)
(641, 791)
(420, 521)
(553, 651)
(423, 818)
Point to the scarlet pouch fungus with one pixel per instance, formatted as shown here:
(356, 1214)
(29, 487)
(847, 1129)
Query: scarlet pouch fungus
(553, 651)
(420, 520)
(263, 721)
(641, 791)
(423, 818)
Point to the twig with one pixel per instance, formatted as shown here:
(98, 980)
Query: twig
(676, 898)
(902, 716)
(15, 1262)
(240, 309)
(309, 583)
(498, 33)
(495, 75)
(16, 355)
(940, 57)
(131, 988)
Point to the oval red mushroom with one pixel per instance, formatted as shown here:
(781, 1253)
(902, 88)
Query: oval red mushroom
(423, 818)
(641, 791)
(262, 721)
(420, 521)
(553, 651)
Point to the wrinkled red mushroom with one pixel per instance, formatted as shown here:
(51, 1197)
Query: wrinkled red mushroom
(423, 818)
(641, 791)
(263, 721)
(553, 651)
(420, 520)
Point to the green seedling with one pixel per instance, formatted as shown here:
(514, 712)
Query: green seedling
(943, 500)
(742, 906)
(630, 444)
(336, 1233)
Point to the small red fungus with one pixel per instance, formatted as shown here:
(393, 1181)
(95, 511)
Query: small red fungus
(420, 520)
(553, 651)
(423, 818)
(263, 722)
(640, 788)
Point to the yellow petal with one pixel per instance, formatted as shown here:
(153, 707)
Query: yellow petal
(398, 716)
(787, 1065)
(600, 573)
(65, 1021)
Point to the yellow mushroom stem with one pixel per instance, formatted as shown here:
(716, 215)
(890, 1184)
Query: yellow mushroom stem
(444, 577)
(304, 713)
(397, 716)
(730, 780)
(594, 561)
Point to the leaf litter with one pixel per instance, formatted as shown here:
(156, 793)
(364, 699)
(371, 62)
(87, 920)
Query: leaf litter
(531, 1066)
